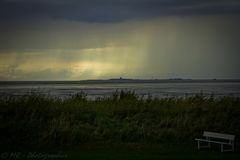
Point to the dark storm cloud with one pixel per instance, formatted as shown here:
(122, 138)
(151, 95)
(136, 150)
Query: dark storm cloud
(111, 10)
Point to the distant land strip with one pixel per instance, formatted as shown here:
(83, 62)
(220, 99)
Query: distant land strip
(121, 80)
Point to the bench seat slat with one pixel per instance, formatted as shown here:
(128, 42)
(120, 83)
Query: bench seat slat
(218, 142)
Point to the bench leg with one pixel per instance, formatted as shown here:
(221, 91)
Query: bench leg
(203, 146)
(224, 150)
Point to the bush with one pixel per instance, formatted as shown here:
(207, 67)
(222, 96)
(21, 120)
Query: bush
(123, 117)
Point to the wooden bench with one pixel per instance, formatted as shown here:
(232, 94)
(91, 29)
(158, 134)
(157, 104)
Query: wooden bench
(218, 138)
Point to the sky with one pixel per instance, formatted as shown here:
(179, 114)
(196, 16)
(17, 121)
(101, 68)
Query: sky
(102, 39)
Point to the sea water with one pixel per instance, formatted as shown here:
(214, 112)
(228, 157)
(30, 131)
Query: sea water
(160, 90)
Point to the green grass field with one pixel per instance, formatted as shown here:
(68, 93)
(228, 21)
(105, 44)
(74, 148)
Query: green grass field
(123, 126)
(126, 151)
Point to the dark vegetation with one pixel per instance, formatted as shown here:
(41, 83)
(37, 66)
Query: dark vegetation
(124, 117)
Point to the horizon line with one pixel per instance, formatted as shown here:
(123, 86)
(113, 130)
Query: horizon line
(124, 79)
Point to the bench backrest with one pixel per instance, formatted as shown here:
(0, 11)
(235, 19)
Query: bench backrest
(218, 135)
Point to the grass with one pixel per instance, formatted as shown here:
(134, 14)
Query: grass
(124, 118)
(157, 151)
(119, 151)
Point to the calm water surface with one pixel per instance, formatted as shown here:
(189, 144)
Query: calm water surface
(143, 89)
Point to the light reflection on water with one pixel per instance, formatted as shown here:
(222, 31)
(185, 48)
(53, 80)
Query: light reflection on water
(160, 90)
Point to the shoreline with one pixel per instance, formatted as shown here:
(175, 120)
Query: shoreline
(112, 81)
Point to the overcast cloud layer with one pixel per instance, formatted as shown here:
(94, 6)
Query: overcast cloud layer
(100, 39)
(112, 10)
